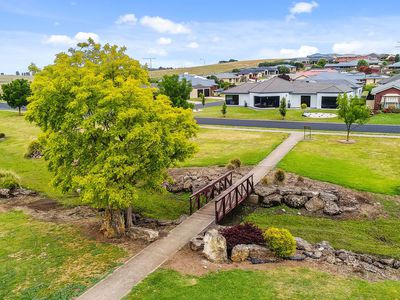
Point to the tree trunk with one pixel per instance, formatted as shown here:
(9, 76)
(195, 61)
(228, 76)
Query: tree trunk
(348, 132)
(128, 218)
(113, 223)
(19, 110)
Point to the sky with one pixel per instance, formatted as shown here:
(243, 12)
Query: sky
(181, 33)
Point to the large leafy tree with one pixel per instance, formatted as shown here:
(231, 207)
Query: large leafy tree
(16, 93)
(178, 90)
(33, 68)
(322, 62)
(362, 63)
(353, 111)
(106, 136)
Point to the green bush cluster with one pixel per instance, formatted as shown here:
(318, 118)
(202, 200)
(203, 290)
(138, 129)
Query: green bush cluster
(230, 166)
(303, 106)
(2, 135)
(9, 180)
(280, 241)
(35, 148)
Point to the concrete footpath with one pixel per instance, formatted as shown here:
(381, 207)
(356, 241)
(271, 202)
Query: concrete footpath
(122, 280)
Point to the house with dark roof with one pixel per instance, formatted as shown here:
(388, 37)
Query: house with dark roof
(395, 66)
(269, 93)
(200, 85)
(231, 78)
(387, 95)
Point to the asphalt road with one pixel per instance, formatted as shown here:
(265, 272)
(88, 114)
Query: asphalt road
(298, 125)
(4, 106)
(280, 124)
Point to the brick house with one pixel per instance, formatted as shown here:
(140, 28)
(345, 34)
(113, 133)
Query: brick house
(387, 95)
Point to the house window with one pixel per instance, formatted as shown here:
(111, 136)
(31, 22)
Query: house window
(232, 99)
(390, 101)
(329, 102)
(263, 102)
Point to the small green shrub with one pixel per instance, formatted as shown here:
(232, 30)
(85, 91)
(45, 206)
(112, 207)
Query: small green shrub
(279, 176)
(303, 106)
(236, 162)
(9, 180)
(264, 180)
(35, 149)
(300, 179)
(2, 135)
(280, 241)
(230, 166)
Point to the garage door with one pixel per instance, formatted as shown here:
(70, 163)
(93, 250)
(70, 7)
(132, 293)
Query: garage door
(328, 102)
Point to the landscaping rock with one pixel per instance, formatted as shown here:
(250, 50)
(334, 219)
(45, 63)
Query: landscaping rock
(313, 254)
(253, 199)
(310, 194)
(291, 190)
(331, 208)
(197, 243)
(302, 244)
(297, 257)
(240, 253)
(314, 204)
(271, 200)
(396, 264)
(264, 191)
(260, 252)
(387, 261)
(142, 233)
(215, 246)
(295, 201)
(328, 197)
(324, 245)
(4, 193)
(257, 261)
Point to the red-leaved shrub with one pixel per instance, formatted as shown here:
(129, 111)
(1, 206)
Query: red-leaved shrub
(243, 234)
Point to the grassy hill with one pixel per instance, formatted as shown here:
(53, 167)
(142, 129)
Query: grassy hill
(210, 69)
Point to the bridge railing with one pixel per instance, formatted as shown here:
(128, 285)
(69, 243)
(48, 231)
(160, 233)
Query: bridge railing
(233, 196)
(210, 191)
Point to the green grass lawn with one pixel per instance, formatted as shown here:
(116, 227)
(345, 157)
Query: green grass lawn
(218, 147)
(43, 260)
(280, 283)
(379, 236)
(370, 164)
(292, 115)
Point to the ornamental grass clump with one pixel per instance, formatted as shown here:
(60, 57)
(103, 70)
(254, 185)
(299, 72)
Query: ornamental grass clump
(236, 162)
(280, 241)
(279, 176)
(35, 150)
(9, 180)
(246, 233)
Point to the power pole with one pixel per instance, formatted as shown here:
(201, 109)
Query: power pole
(150, 59)
(203, 60)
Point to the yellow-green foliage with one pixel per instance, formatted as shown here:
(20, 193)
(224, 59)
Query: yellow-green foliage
(279, 176)
(280, 241)
(264, 180)
(105, 132)
(8, 180)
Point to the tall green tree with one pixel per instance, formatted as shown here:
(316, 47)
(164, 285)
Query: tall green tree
(203, 99)
(16, 93)
(362, 63)
(282, 108)
(106, 136)
(224, 109)
(283, 70)
(353, 111)
(33, 68)
(177, 90)
(322, 62)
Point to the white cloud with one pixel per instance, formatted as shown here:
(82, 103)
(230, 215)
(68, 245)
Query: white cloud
(193, 45)
(348, 47)
(157, 52)
(301, 8)
(128, 19)
(164, 41)
(164, 25)
(216, 39)
(58, 39)
(301, 52)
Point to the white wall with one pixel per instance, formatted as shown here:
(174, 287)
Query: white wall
(244, 98)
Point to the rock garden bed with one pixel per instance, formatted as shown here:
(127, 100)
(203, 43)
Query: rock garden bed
(317, 198)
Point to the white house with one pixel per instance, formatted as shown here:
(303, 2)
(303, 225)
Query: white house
(268, 94)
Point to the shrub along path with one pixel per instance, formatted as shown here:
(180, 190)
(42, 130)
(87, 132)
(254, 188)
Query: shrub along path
(122, 280)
